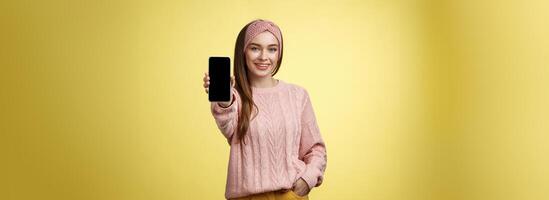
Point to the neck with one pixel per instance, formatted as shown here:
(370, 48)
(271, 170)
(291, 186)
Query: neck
(263, 82)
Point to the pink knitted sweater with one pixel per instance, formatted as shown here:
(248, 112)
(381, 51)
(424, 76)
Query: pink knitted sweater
(283, 142)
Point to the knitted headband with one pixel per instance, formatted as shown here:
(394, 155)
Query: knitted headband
(260, 26)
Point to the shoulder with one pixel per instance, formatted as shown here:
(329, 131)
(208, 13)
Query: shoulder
(293, 87)
(298, 91)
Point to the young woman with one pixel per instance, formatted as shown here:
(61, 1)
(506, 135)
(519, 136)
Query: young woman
(277, 151)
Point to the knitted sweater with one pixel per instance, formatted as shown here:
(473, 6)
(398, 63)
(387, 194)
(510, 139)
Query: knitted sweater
(283, 142)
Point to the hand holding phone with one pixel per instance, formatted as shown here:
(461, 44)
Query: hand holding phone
(207, 88)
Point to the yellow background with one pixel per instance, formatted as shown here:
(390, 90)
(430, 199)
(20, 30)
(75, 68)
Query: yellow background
(416, 99)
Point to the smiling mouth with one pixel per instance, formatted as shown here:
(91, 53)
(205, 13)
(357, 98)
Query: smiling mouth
(262, 66)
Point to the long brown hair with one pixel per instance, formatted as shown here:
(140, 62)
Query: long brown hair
(243, 85)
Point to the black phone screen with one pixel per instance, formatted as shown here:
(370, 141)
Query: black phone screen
(220, 79)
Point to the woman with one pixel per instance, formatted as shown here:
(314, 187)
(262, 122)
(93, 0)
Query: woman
(277, 151)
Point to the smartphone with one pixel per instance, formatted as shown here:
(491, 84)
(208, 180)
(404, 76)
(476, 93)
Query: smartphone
(220, 79)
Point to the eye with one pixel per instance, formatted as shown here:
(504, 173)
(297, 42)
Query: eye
(272, 49)
(254, 49)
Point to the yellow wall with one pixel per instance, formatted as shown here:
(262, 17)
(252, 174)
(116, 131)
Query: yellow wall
(415, 99)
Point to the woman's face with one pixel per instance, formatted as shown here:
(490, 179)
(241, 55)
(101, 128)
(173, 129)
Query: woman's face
(262, 55)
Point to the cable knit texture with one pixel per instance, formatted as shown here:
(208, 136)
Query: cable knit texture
(283, 142)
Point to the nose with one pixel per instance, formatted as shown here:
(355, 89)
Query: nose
(263, 56)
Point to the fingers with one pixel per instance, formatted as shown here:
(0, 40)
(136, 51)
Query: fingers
(206, 82)
(206, 77)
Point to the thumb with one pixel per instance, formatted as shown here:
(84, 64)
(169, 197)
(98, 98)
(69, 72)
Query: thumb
(233, 82)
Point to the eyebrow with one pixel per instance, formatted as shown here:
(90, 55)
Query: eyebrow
(267, 45)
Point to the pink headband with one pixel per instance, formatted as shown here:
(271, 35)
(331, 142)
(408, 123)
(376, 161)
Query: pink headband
(260, 26)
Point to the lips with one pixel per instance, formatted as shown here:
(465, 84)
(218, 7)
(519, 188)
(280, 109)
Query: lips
(262, 66)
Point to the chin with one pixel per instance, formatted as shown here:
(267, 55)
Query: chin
(262, 74)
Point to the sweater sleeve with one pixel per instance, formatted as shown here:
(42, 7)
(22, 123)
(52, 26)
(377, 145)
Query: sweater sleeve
(312, 149)
(226, 118)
